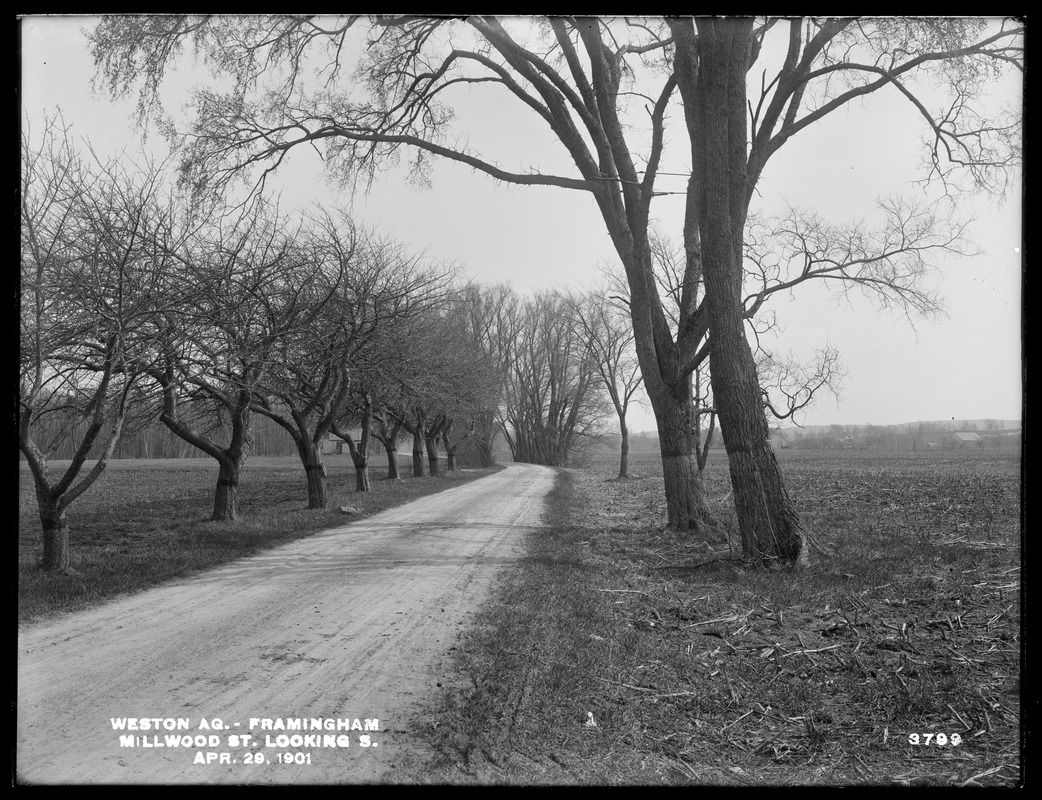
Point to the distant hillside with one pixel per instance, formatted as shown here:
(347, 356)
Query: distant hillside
(909, 435)
(979, 425)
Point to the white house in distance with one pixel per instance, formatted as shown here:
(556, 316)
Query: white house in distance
(333, 445)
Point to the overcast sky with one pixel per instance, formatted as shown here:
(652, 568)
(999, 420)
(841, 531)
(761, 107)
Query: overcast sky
(965, 365)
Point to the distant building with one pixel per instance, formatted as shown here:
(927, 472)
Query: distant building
(966, 439)
(332, 445)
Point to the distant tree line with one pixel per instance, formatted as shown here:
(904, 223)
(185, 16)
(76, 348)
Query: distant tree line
(914, 436)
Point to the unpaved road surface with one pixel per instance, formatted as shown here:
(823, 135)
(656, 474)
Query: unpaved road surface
(351, 624)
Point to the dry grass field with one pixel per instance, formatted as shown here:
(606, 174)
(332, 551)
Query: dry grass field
(147, 521)
(621, 653)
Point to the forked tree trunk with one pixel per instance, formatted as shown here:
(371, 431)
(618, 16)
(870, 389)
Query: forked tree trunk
(360, 458)
(667, 386)
(452, 446)
(388, 433)
(53, 499)
(360, 450)
(229, 459)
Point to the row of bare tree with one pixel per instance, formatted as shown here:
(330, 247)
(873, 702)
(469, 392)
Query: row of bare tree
(137, 305)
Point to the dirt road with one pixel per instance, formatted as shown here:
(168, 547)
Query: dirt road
(325, 637)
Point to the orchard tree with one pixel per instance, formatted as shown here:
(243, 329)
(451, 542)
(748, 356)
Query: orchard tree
(364, 288)
(91, 283)
(360, 411)
(605, 89)
(215, 349)
(453, 382)
(388, 432)
(306, 385)
(395, 296)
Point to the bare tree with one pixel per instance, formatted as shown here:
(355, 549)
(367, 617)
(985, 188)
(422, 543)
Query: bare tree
(388, 432)
(306, 385)
(459, 379)
(828, 64)
(552, 400)
(491, 325)
(608, 337)
(216, 348)
(474, 374)
(91, 283)
(449, 384)
(359, 411)
(394, 296)
(603, 87)
(323, 377)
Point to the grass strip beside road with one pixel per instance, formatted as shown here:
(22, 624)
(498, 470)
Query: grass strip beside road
(145, 522)
(532, 668)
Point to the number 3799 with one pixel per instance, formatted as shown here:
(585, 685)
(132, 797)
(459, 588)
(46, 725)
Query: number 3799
(939, 739)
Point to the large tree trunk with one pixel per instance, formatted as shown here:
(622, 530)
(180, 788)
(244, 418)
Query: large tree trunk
(55, 536)
(229, 458)
(485, 438)
(316, 473)
(685, 499)
(624, 454)
(430, 442)
(362, 476)
(770, 527)
(452, 446)
(225, 506)
(311, 456)
(417, 452)
(391, 449)
(672, 400)
(388, 434)
(360, 458)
